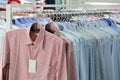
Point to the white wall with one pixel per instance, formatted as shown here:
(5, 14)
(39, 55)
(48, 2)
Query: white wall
(75, 2)
(115, 1)
(72, 4)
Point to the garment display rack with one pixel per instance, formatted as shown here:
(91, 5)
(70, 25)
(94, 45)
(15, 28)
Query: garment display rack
(81, 10)
(10, 8)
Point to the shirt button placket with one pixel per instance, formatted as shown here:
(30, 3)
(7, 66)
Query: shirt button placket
(33, 51)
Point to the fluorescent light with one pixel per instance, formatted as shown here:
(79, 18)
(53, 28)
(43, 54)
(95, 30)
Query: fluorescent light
(101, 3)
(26, 1)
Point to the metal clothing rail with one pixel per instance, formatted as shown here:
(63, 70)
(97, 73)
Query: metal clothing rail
(80, 13)
(65, 16)
(65, 13)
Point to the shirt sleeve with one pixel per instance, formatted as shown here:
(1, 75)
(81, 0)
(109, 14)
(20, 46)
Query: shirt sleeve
(5, 59)
(61, 70)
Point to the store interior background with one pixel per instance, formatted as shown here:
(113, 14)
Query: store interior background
(67, 2)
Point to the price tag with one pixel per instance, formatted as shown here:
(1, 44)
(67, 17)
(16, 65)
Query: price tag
(32, 66)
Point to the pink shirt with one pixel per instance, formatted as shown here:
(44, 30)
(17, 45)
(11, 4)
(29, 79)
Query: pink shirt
(71, 70)
(48, 50)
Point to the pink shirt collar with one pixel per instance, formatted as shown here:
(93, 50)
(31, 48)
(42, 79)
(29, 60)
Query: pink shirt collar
(39, 39)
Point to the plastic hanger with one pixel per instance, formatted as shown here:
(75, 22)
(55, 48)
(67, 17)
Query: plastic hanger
(35, 28)
(48, 28)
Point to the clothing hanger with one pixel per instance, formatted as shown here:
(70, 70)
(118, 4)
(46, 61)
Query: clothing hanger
(68, 20)
(59, 17)
(48, 28)
(55, 17)
(62, 17)
(65, 17)
(35, 27)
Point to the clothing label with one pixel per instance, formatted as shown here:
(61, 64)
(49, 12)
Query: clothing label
(32, 66)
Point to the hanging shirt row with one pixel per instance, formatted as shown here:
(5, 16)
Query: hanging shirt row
(76, 50)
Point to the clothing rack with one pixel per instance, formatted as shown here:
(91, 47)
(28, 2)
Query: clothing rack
(10, 8)
(82, 10)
